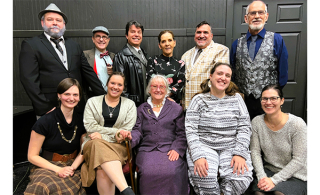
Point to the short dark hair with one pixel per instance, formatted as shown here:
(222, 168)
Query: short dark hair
(203, 23)
(276, 87)
(163, 32)
(134, 22)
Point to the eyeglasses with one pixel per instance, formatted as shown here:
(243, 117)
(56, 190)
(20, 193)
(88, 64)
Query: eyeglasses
(98, 37)
(155, 87)
(272, 99)
(261, 13)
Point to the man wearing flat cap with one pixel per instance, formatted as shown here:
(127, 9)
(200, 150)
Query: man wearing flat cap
(98, 57)
(47, 59)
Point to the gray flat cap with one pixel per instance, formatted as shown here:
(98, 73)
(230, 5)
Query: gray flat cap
(53, 8)
(102, 29)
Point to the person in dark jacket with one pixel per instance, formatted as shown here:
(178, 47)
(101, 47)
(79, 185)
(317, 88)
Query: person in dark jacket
(131, 60)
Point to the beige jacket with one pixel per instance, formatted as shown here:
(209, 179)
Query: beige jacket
(94, 121)
(200, 71)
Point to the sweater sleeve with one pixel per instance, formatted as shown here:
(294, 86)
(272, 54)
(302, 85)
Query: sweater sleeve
(192, 128)
(256, 150)
(299, 152)
(243, 131)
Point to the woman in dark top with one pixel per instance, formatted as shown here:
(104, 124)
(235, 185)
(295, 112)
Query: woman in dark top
(104, 117)
(58, 134)
(165, 64)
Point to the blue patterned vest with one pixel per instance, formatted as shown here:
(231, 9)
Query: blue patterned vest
(252, 76)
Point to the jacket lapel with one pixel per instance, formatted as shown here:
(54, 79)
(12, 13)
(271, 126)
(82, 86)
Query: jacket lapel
(166, 109)
(48, 45)
(149, 112)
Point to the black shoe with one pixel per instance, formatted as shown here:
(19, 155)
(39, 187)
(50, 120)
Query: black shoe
(127, 191)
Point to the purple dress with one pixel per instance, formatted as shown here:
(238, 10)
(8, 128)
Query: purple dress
(154, 138)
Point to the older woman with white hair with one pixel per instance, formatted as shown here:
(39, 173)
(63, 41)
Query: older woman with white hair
(160, 138)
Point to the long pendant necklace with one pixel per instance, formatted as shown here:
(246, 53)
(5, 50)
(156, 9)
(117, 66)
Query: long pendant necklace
(74, 133)
(111, 112)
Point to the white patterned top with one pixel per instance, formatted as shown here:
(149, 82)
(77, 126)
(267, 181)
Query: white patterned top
(218, 123)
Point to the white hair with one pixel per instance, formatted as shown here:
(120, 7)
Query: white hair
(158, 76)
(247, 10)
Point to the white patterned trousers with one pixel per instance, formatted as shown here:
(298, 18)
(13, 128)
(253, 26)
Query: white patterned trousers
(219, 161)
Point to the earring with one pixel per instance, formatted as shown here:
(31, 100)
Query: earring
(209, 84)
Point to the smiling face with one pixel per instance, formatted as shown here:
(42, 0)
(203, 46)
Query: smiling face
(220, 78)
(203, 36)
(167, 44)
(53, 24)
(70, 98)
(134, 36)
(158, 89)
(256, 22)
(271, 107)
(101, 41)
(115, 86)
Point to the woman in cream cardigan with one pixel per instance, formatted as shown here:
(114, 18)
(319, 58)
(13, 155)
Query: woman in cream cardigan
(104, 117)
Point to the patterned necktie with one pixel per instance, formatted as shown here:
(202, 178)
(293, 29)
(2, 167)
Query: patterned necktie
(198, 54)
(252, 46)
(56, 41)
(140, 52)
(104, 54)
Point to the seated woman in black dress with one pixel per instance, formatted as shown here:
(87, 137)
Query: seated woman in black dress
(58, 133)
(165, 64)
(104, 117)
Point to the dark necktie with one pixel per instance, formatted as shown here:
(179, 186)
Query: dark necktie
(198, 54)
(56, 41)
(104, 54)
(252, 46)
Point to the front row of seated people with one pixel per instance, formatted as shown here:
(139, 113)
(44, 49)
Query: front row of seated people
(212, 141)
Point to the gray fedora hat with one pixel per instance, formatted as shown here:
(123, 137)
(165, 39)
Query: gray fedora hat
(102, 29)
(53, 8)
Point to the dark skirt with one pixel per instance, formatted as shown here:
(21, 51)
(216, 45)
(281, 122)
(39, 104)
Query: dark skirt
(292, 186)
(45, 181)
(95, 153)
(159, 175)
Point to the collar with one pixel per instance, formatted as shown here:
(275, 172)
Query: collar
(210, 45)
(137, 49)
(261, 34)
(48, 37)
(97, 52)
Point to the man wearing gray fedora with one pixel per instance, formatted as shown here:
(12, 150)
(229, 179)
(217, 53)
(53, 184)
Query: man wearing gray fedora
(47, 59)
(98, 57)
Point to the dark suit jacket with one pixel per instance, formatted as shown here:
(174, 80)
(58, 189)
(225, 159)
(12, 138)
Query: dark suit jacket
(41, 70)
(165, 133)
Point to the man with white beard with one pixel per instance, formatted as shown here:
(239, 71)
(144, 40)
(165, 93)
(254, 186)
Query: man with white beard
(259, 58)
(47, 59)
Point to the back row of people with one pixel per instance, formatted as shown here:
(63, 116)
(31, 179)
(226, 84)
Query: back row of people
(252, 68)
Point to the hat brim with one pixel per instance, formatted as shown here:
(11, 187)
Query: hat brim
(45, 11)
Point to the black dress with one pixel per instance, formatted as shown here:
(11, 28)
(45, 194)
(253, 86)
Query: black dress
(172, 69)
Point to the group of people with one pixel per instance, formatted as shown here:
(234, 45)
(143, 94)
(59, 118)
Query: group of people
(200, 120)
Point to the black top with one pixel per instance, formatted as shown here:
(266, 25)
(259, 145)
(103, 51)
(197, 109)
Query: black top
(47, 126)
(172, 69)
(109, 122)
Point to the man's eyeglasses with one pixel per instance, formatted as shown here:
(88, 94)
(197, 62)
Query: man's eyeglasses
(98, 37)
(261, 13)
(272, 99)
(155, 87)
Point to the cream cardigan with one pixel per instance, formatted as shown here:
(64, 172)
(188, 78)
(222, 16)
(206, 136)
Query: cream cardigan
(94, 121)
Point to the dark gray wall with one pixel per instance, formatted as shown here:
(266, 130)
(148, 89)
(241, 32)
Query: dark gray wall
(180, 16)
(289, 18)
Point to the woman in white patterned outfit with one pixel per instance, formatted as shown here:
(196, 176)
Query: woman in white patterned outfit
(218, 132)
